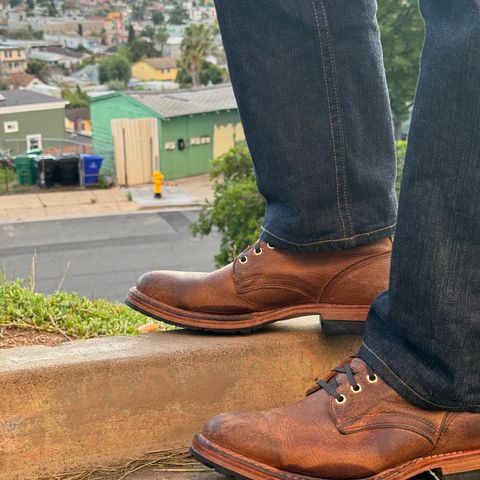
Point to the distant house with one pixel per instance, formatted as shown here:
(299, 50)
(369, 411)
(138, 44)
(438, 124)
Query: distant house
(28, 118)
(162, 68)
(77, 120)
(24, 81)
(87, 76)
(179, 132)
(13, 59)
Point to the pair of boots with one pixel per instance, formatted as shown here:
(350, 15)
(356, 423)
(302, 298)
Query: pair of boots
(351, 425)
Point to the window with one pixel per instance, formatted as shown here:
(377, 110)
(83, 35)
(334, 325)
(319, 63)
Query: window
(34, 141)
(10, 127)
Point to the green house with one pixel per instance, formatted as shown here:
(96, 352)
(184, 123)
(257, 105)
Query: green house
(185, 131)
(29, 119)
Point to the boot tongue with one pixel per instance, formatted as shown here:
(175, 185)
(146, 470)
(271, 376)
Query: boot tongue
(356, 364)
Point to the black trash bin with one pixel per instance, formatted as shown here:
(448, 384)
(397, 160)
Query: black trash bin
(45, 167)
(67, 170)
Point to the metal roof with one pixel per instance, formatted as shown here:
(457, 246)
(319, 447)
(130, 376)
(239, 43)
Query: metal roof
(25, 97)
(188, 102)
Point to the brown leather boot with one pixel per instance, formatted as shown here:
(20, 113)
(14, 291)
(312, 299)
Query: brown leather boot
(353, 426)
(265, 284)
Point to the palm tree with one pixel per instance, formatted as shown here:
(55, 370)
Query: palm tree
(197, 44)
(161, 37)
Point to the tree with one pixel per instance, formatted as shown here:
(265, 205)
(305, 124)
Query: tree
(178, 16)
(158, 18)
(197, 44)
(161, 36)
(68, 5)
(34, 67)
(131, 34)
(114, 67)
(139, 49)
(52, 10)
(209, 74)
(237, 208)
(30, 4)
(15, 3)
(148, 32)
(76, 98)
(402, 31)
(80, 29)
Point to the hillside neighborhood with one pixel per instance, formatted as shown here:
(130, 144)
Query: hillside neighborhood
(77, 77)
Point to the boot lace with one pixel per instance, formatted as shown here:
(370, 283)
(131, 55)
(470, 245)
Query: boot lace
(331, 386)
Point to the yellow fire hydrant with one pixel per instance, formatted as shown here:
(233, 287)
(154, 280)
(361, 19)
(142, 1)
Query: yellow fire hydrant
(158, 179)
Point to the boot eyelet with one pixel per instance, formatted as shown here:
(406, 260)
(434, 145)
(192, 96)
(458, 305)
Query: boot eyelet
(356, 389)
(372, 379)
(258, 252)
(342, 400)
(244, 260)
(271, 247)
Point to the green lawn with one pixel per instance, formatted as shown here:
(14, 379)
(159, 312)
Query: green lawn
(66, 313)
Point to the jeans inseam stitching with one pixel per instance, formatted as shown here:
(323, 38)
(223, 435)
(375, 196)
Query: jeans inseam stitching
(336, 240)
(332, 132)
(406, 385)
(339, 113)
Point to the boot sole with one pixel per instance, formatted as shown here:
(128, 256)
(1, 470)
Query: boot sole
(335, 319)
(453, 466)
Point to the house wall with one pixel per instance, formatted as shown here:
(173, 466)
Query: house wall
(49, 123)
(196, 159)
(102, 113)
(144, 71)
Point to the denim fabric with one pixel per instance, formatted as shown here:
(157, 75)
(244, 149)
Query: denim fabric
(423, 336)
(310, 86)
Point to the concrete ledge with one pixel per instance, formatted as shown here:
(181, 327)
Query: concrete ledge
(104, 401)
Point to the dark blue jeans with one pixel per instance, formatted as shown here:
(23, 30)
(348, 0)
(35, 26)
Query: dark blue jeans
(310, 84)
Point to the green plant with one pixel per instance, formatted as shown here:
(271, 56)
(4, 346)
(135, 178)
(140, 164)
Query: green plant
(237, 208)
(401, 148)
(196, 45)
(114, 68)
(65, 313)
(402, 32)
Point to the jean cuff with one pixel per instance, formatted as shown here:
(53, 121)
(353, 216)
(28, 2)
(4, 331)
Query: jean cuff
(327, 245)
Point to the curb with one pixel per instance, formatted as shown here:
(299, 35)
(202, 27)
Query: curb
(103, 401)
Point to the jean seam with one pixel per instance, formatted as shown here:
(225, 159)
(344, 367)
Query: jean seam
(339, 114)
(332, 132)
(336, 240)
(446, 407)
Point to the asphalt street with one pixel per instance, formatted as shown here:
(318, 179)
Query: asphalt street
(101, 257)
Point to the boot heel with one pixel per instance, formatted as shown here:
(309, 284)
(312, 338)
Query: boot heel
(342, 327)
(475, 475)
(463, 466)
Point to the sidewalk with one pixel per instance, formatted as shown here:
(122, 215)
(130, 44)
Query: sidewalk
(45, 205)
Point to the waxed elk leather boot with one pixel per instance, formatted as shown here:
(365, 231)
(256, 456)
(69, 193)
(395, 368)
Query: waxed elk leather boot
(265, 284)
(351, 426)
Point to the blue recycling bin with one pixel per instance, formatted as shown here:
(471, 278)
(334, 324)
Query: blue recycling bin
(91, 166)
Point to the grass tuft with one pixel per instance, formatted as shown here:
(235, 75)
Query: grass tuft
(67, 313)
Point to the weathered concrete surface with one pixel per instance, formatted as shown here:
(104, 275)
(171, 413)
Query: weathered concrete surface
(104, 401)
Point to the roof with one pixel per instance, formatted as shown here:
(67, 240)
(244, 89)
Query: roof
(188, 102)
(77, 113)
(88, 74)
(25, 97)
(22, 79)
(160, 62)
(67, 52)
